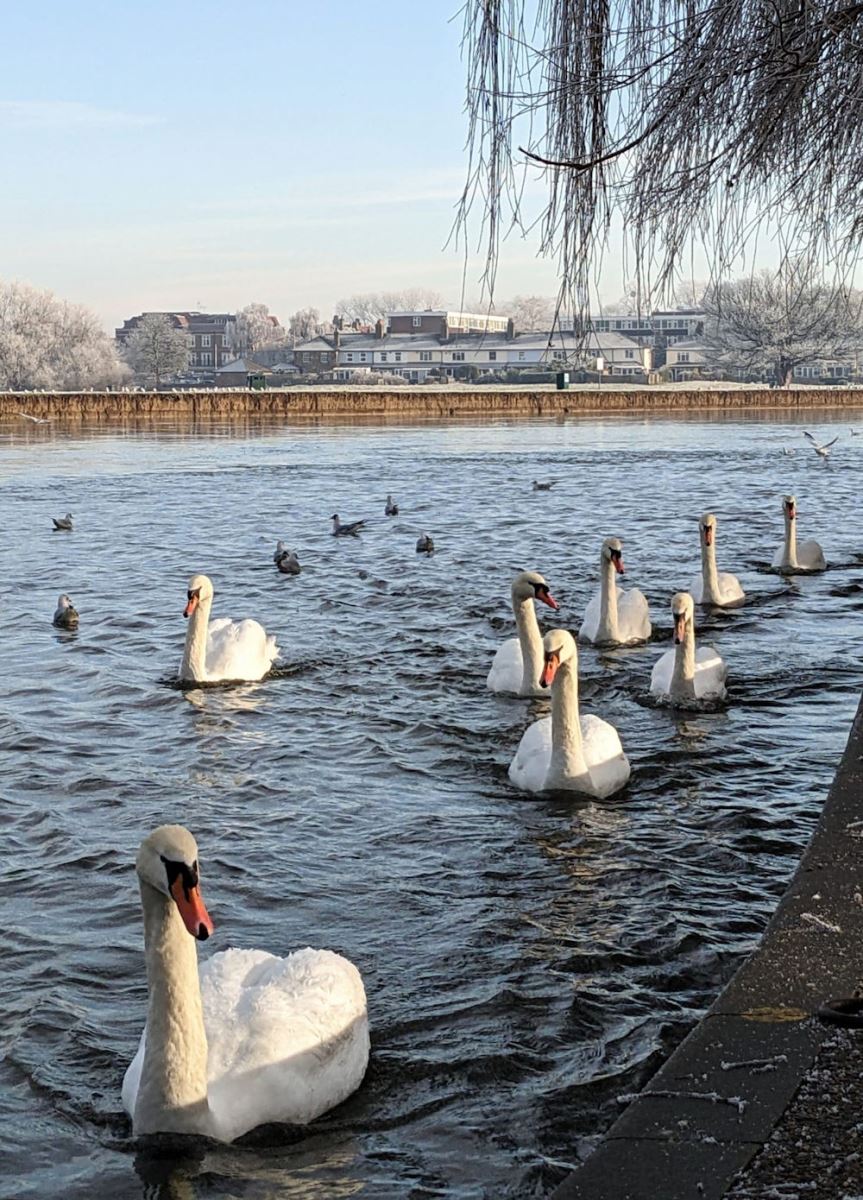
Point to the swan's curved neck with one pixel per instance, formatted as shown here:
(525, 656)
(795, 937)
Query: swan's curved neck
(194, 665)
(608, 628)
(567, 750)
(789, 552)
(709, 573)
(172, 1092)
(683, 676)
(530, 640)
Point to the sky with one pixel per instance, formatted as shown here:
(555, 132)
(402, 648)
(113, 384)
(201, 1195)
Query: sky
(211, 154)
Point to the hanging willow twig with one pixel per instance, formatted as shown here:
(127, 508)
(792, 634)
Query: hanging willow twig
(689, 121)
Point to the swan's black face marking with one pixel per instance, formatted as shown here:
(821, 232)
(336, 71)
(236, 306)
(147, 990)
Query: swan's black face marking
(196, 594)
(540, 589)
(175, 870)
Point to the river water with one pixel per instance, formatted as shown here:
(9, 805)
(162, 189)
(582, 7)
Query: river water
(527, 959)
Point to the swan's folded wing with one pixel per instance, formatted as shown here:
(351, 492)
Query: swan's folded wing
(710, 674)
(590, 625)
(778, 556)
(729, 588)
(507, 668)
(660, 676)
(811, 556)
(529, 768)
(239, 650)
(633, 616)
(288, 1037)
(696, 587)
(607, 764)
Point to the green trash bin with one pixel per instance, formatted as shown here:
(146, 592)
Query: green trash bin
(562, 381)
(257, 382)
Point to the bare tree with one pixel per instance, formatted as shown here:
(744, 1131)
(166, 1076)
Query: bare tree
(156, 348)
(48, 343)
(530, 314)
(781, 320)
(368, 307)
(688, 120)
(254, 329)
(305, 323)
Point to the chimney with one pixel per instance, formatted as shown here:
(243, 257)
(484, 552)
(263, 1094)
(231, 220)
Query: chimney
(338, 322)
(379, 328)
(444, 330)
(337, 335)
(510, 329)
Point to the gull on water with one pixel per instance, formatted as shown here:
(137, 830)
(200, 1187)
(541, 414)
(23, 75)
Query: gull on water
(821, 451)
(392, 509)
(544, 485)
(424, 544)
(288, 563)
(35, 420)
(62, 522)
(66, 614)
(340, 530)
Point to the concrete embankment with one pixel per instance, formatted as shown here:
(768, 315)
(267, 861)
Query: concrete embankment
(418, 403)
(716, 1101)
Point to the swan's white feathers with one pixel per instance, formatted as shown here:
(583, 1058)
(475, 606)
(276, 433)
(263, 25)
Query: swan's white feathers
(730, 591)
(810, 556)
(633, 617)
(238, 650)
(607, 765)
(507, 668)
(287, 1038)
(709, 679)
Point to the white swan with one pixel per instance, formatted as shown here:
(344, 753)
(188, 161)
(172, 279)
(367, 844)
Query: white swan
(248, 1039)
(226, 649)
(791, 559)
(711, 586)
(685, 674)
(615, 617)
(518, 663)
(568, 751)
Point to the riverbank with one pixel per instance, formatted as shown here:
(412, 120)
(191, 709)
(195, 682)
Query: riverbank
(762, 1098)
(432, 403)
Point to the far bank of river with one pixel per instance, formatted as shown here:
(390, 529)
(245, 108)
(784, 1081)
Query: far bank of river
(433, 403)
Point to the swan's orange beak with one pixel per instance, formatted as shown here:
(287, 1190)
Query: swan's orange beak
(547, 598)
(195, 916)
(618, 564)
(191, 605)
(791, 511)
(679, 627)
(708, 535)
(549, 670)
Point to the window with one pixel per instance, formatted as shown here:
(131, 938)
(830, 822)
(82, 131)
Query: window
(629, 354)
(425, 356)
(398, 356)
(458, 355)
(307, 356)
(206, 339)
(193, 360)
(384, 356)
(363, 356)
(492, 356)
(521, 356)
(206, 360)
(349, 358)
(325, 357)
(417, 322)
(683, 356)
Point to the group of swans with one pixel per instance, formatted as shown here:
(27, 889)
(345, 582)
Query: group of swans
(245, 1038)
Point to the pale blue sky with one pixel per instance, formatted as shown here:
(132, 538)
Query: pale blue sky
(209, 154)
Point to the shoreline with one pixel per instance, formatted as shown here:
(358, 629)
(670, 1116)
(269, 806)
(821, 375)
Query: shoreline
(427, 403)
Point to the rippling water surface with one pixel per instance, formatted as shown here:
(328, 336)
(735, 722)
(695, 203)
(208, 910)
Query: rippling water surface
(526, 959)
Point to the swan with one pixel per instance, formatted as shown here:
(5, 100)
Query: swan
(66, 614)
(565, 750)
(712, 586)
(791, 559)
(518, 663)
(615, 617)
(244, 1039)
(685, 674)
(226, 649)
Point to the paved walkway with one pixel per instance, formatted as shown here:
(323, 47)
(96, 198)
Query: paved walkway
(723, 1116)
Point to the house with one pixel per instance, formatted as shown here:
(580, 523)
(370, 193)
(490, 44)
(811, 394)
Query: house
(442, 324)
(689, 360)
(236, 373)
(209, 335)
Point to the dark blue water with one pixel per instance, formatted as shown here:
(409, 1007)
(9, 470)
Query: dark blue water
(526, 959)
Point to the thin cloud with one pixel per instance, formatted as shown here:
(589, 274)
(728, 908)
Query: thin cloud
(67, 114)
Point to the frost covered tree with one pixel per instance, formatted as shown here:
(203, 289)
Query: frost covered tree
(48, 343)
(681, 122)
(157, 348)
(530, 314)
(368, 307)
(304, 324)
(781, 320)
(254, 329)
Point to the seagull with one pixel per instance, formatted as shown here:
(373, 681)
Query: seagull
(288, 563)
(856, 432)
(821, 451)
(280, 549)
(787, 450)
(62, 522)
(66, 615)
(35, 420)
(425, 545)
(538, 486)
(340, 530)
(392, 509)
